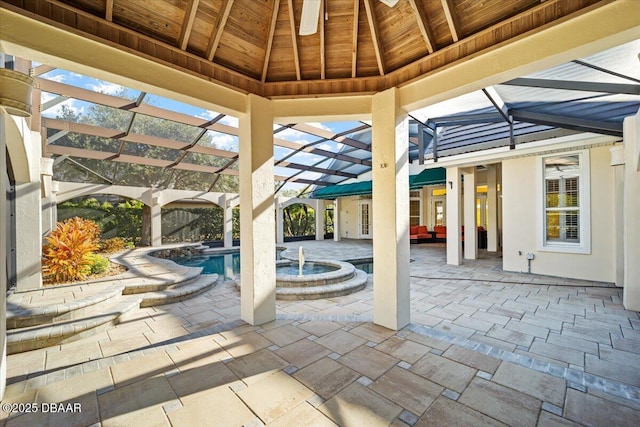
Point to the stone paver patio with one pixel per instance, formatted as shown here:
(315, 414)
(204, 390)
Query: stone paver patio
(485, 347)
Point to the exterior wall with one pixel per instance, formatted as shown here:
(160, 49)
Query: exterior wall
(520, 206)
(348, 217)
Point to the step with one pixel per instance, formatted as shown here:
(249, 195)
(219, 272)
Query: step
(179, 277)
(21, 316)
(358, 282)
(166, 296)
(97, 319)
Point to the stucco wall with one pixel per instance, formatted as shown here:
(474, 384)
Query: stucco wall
(520, 217)
(349, 217)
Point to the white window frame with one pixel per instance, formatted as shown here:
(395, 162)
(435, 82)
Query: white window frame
(584, 185)
(419, 200)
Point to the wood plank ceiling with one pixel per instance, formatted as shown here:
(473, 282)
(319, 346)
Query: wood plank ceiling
(361, 46)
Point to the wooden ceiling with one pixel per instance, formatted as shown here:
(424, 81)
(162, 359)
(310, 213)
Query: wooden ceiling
(363, 46)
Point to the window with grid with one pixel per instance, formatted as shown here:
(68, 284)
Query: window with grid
(562, 175)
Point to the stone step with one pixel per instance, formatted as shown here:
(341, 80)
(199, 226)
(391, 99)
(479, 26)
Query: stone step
(358, 282)
(166, 296)
(99, 317)
(180, 277)
(20, 315)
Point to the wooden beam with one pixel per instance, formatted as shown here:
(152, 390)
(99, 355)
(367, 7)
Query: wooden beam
(108, 10)
(452, 19)
(423, 25)
(373, 25)
(354, 40)
(323, 11)
(218, 28)
(292, 24)
(272, 30)
(187, 26)
(41, 69)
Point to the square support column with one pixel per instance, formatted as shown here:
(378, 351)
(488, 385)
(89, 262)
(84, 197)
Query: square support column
(257, 218)
(227, 218)
(4, 233)
(28, 236)
(454, 217)
(319, 208)
(631, 213)
(336, 220)
(156, 225)
(390, 172)
(470, 228)
(492, 200)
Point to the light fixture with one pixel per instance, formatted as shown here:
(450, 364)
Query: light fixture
(451, 185)
(390, 3)
(309, 18)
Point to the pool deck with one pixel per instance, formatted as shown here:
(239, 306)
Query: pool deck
(484, 347)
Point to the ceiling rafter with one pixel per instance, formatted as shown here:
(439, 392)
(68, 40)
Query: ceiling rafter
(323, 11)
(328, 135)
(272, 30)
(423, 25)
(187, 26)
(108, 10)
(377, 44)
(452, 19)
(354, 40)
(605, 70)
(41, 69)
(294, 40)
(218, 28)
(566, 122)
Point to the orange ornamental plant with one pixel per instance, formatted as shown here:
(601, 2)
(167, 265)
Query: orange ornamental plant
(68, 251)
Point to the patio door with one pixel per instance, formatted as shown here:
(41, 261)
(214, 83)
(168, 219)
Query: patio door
(365, 229)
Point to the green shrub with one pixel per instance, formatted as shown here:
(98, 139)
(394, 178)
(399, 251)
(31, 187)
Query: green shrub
(98, 264)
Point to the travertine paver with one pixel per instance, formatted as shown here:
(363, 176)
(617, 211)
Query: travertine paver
(408, 390)
(326, 377)
(585, 409)
(302, 353)
(544, 387)
(401, 348)
(488, 319)
(447, 373)
(446, 412)
(274, 396)
(368, 361)
(357, 405)
(502, 403)
(136, 404)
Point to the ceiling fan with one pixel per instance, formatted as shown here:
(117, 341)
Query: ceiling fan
(311, 13)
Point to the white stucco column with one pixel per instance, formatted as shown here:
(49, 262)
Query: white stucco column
(257, 219)
(617, 161)
(492, 200)
(336, 220)
(470, 230)
(4, 214)
(227, 219)
(28, 236)
(156, 224)
(319, 208)
(390, 172)
(631, 209)
(454, 216)
(279, 221)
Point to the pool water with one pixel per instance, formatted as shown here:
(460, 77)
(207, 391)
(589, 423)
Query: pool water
(212, 264)
(215, 264)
